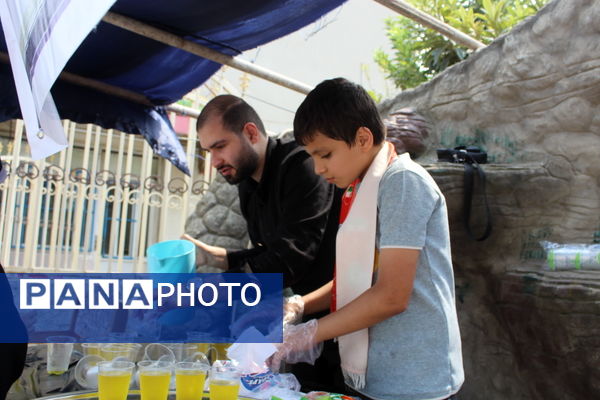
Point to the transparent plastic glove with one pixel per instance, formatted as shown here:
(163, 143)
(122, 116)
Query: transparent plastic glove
(293, 309)
(298, 345)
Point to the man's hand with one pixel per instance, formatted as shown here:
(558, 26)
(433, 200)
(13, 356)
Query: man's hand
(210, 255)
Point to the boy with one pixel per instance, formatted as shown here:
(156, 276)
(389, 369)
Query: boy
(392, 296)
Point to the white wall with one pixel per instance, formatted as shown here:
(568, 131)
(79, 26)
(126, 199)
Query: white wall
(342, 43)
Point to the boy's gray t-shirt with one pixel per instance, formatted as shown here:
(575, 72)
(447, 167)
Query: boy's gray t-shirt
(416, 355)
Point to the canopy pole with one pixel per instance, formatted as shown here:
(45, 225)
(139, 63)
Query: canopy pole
(401, 7)
(115, 91)
(175, 41)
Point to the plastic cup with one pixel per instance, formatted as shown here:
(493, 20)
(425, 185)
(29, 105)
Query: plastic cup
(203, 344)
(116, 352)
(182, 351)
(59, 353)
(190, 378)
(224, 381)
(114, 378)
(91, 349)
(159, 352)
(135, 351)
(155, 378)
(120, 351)
(86, 371)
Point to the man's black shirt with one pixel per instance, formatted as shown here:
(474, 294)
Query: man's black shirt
(289, 220)
(293, 217)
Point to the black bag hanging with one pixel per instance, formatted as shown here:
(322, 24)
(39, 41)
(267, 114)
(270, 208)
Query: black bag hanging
(471, 157)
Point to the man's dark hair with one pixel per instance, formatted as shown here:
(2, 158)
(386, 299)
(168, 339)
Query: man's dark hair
(336, 108)
(234, 112)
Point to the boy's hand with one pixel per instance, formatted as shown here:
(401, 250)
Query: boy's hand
(293, 309)
(298, 345)
(210, 255)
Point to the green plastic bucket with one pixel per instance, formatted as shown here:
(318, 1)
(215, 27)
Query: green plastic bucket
(177, 257)
(172, 256)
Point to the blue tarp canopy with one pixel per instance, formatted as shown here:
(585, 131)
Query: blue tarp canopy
(161, 73)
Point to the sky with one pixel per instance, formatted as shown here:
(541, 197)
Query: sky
(341, 44)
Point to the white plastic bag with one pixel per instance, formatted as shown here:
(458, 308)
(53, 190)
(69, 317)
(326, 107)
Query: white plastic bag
(257, 381)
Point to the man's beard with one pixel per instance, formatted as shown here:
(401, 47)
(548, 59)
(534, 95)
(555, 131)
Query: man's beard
(246, 165)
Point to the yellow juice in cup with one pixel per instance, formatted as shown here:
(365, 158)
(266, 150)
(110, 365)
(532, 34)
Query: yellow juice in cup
(154, 385)
(56, 372)
(190, 384)
(224, 389)
(201, 347)
(113, 385)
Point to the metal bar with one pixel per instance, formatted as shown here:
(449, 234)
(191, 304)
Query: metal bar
(46, 223)
(12, 194)
(21, 193)
(170, 39)
(125, 204)
(115, 91)
(183, 110)
(429, 21)
(3, 218)
(11, 188)
(33, 218)
(114, 226)
(164, 210)
(145, 197)
(105, 88)
(58, 206)
(90, 226)
(66, 228)
(102, 206)
(79, 204)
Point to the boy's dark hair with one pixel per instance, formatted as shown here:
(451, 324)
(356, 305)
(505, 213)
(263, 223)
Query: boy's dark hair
(234, 112)
(336, 108)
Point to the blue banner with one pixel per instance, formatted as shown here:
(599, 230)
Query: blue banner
(140, 308)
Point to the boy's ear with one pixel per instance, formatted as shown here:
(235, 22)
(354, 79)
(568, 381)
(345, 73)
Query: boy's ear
(364, 138)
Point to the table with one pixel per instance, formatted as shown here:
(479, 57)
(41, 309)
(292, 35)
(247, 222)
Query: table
(93, 395)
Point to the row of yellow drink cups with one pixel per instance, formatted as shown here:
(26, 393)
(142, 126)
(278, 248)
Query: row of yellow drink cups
(114, 379)
(136, 352)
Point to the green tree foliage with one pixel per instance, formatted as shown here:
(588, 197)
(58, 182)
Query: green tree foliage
(418, 53)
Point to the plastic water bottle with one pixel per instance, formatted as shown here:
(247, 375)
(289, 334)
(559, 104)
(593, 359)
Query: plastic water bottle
(572, 256)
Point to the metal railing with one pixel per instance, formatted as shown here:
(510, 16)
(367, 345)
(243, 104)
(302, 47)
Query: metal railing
(96, 206)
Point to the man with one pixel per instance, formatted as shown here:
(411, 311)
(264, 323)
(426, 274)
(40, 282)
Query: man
(12, 354)
(286, 207)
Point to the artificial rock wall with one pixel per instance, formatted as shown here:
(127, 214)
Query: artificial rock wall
(532, 100)
(218, 220)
